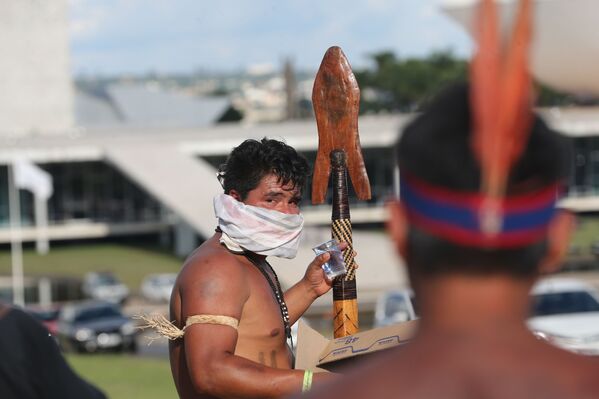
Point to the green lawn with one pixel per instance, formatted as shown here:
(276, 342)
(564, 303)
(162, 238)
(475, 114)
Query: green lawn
(126, 377)
(587, 231)
(129, 263)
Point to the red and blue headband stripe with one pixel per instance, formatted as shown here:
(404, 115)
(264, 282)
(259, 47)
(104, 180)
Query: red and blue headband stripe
(456, 216)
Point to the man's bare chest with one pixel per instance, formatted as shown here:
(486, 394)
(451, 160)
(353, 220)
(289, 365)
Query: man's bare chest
(261, 315)
(266, 293)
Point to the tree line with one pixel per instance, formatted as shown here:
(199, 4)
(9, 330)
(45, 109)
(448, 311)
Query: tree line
(397, 84)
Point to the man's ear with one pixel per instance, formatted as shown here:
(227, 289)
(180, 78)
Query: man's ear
(397, 225)
(558, 239)
(235, 194)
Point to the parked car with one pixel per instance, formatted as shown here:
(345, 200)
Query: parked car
(104, 286)
(158, 287)
(565, 312)
(95, 325)
(395, 306)
(48, 316)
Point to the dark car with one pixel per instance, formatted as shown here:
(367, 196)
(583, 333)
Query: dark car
(95, 326)
(48, 316)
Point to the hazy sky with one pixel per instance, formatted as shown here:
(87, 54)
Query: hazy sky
(116, 36)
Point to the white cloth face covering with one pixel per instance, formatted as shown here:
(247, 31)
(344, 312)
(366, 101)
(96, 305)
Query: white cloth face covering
(259, 230)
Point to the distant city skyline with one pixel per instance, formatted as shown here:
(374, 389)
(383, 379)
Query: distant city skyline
(110, 37)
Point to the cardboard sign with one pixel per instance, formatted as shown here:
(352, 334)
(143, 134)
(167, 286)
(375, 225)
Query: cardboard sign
(315, 352)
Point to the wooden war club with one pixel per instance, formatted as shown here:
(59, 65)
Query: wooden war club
(336, 101)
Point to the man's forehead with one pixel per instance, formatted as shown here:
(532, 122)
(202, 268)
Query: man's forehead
(273, 183)
(288, 189)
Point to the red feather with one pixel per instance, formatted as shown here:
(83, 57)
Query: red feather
(501, 91)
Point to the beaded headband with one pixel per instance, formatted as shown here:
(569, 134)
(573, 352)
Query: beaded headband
(456, 216)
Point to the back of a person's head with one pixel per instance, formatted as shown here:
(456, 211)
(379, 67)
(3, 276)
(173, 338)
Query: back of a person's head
(249, 162)
(435, 148)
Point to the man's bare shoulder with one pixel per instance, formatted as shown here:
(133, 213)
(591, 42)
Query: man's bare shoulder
(211, 281)
(211, 260)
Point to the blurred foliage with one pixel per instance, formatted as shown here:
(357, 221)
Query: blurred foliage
(232, 114)
(547, 97)
(126, 377)
(406, 84)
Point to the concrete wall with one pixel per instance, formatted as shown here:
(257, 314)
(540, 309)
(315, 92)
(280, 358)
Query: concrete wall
(36, 94)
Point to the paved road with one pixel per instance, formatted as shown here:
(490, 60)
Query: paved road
(154, 348)
(148, 342)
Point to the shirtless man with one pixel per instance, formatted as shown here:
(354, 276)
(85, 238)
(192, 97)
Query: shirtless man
(228, 281)
(473, 340)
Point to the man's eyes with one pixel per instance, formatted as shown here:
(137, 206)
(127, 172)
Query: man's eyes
(274, 201)
(280, 197)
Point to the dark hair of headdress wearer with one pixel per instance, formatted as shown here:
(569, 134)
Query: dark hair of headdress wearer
(435, 148)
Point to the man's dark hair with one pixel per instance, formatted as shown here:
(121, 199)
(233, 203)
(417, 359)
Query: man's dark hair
(249, 162)
(435, 148)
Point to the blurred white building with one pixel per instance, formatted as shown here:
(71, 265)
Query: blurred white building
(36, 94)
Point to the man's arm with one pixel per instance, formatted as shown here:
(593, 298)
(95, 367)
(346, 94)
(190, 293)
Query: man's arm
(314, 284)
(221, 289)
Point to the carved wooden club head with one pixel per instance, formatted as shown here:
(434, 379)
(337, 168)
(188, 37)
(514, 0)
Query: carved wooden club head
(336, 101)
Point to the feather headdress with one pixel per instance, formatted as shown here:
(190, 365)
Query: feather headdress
(501, 100)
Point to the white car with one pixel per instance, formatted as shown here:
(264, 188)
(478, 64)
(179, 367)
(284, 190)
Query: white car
(395, 306)
(565, 312)
(104, 286)
(158, 287)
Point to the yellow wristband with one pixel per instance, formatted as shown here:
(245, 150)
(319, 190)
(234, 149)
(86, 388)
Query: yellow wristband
(307, 384)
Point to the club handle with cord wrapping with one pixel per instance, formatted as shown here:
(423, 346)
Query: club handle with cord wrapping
(345, 299)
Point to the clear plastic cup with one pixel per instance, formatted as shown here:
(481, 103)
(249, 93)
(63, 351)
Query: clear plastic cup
(335, 266)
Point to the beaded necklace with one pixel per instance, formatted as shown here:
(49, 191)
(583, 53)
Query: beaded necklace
(276, 289)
